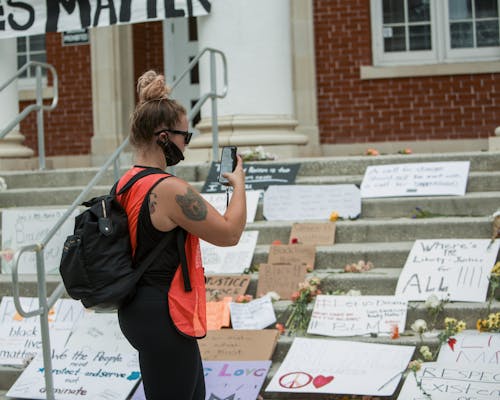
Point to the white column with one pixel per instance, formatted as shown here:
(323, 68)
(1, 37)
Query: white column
(112, 88)
(259, 108)
(11, 145)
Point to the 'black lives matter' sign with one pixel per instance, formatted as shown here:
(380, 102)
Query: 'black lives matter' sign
(258, 176)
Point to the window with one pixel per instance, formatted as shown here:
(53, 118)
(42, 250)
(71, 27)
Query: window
(408, 32)
(30, 48)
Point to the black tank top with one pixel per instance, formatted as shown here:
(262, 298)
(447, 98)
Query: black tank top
(161, 272)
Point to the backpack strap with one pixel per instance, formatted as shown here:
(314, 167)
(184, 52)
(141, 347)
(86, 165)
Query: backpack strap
(181, 239)
(134, 179)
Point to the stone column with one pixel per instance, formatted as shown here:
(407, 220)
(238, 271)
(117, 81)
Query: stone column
(11, 145)
(259, 107)
(112, 88)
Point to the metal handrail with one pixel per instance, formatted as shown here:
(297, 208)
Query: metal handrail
(38, 106)
(44, 303)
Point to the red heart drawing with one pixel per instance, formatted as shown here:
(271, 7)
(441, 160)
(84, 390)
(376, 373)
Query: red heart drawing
(321, 380)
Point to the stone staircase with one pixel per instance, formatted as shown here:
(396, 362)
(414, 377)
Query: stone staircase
(384, 234)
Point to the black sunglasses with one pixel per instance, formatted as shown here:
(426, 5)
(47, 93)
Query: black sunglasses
(187, 135)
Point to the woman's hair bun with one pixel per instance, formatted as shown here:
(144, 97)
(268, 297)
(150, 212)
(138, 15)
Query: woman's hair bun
(151, 86)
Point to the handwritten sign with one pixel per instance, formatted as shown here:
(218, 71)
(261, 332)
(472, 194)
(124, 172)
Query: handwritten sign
(313, 233)
(229, 260)
(80, 374)
(220, 286)
(256, 314)
(21, 227)
(357, 315)
(283, 279)
(219, 202)
(258, 176)
(454, 268)
(311, 202)
(472, 348)
(445, 382)
(242, 345)
(226, 380)
(417, 179)
(218, 314)
(341, 367)
(292, 254)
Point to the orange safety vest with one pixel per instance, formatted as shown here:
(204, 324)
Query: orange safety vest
(186, 295)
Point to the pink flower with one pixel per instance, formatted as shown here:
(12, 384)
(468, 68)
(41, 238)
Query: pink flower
(276, 242)
(280, 328)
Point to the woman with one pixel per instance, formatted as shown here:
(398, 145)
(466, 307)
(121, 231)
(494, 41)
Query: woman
(170, 360)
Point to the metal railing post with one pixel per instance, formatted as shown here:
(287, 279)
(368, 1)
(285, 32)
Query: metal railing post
(39, 118)
(213, 98)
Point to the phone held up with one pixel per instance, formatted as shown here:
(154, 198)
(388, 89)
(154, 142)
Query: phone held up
(227, 163)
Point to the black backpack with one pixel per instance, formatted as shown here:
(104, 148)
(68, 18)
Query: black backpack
(96, 263)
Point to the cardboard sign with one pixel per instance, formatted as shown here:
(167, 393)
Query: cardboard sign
(226, 380)
(454, 268)
(80, 374)
(317, 234)
(283, 279)
(341, 367)
(256, 314)
(292, 254)
(357, 315)
(218, 314)
(311, 202)
(21, 227)
(219, 202)
(220, 286)
(472, 348)
(445, 382)
(229, 260)
(418, 179)
(258, 176)
(239, 345)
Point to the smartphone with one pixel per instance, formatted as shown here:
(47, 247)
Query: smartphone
(227, 162)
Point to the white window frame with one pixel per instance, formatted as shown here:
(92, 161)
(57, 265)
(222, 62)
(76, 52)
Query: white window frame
(440, 40)
(29, 83)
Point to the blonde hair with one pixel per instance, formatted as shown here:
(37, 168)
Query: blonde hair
(154, 109)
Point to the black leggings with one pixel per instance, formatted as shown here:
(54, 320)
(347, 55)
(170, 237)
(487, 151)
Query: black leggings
(170, 363)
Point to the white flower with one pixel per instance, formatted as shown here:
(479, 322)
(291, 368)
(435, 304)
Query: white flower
(353, 292)
(419, 326)
(273, 295)
(432, 301)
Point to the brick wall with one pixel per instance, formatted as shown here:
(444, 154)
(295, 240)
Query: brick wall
(68, 129)
(351, 110)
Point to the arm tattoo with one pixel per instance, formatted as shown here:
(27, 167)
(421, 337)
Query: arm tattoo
(152, 202)
(192, 205)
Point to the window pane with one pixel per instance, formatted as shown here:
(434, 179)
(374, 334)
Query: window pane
(486, 8)
(393, 11)
(21, 45)
(396, 41)
(192, 29)
(21, 60)
(419, 10)
(487, 33)
(461, 35)
(37, 57)
(420, 37)
(460, 9)
(37, 42)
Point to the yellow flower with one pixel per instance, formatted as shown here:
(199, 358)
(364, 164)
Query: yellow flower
(496, 269)
(334, 216)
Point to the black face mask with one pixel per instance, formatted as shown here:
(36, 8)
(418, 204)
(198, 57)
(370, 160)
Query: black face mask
(173, 155)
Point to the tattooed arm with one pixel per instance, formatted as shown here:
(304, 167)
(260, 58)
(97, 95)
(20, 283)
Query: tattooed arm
(175, 203)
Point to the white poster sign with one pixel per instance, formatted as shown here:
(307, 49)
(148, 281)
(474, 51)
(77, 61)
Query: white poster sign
(256, 314)
(21, 227)
(417, 179)
(472, 348)
(341, 367)
(219, 201)
(453, 268)
(357, 315)
(99, 331)
(80, 374)
(229, 260)
(445, 382)
(311, 202)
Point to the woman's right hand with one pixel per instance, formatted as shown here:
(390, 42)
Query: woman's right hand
(237, 177)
